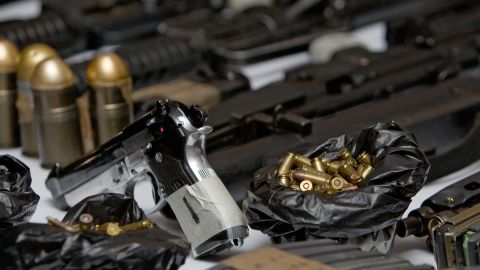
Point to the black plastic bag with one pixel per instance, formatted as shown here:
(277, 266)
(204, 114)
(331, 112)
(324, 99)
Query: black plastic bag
(106, 207)
(41, 246)
(401, 169)
(17, 199)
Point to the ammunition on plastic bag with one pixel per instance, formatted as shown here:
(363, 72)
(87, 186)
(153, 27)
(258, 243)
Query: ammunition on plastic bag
(306, 185)
(285, 180)
(319, 165)
(85, 222)
(286, 164)
(364, 170)
(295, 187)
(333, 166)
(323, 174)
(316, 178)
(365, 159)
(348, 171)
(347, 156)
(302, 160)
(144, 224)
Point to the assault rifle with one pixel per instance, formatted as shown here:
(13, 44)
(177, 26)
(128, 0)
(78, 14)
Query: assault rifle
(451, 219)
(442, 117)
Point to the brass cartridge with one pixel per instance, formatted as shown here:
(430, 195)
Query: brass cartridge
(306, 185)
(319, 188)
(28, 60)
(285, 180)
(286, 164)
(295, 187)
(348, 171)
(317, 178)
(302, 160)
(333, 166)
(110, 86)
(338, 182)
(365, 159)
(9, 136)
(309, 169)
(364, 170)
(347, 156)
(57, 120)
(85, 223)
(144, 224)
(319, 165)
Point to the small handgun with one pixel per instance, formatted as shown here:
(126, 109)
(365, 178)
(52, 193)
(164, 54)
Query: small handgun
(167, 147)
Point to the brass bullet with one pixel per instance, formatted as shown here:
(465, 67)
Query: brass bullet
(286, 164)
(285, 180)
(325, 160)
(57, 223)
(333, 166)
(319, 165)
(110, 86)
(348, 171)
(109, 228)
(57, 119)
(9, 133)
(113, 229)
(364, 170)
(295, 187)
(317, 178)
(308, 168)
(365, 159)
(320, 188)
(306, 185)
(85, 222)
(345, 183)
(347, 156)
(28, 61)
(302, 160)
(144, 224)
(338, 182)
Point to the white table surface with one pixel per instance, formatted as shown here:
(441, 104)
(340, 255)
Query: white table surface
(411, 248)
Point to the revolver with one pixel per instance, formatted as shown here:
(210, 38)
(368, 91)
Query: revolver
(167, 147)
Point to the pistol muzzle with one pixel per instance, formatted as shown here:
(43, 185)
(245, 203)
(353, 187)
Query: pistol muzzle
(110, 87)
(28, 61)
(9, 136)
(57, 119)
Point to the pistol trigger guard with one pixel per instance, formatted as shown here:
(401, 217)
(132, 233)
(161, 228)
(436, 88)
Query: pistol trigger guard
(155, 209)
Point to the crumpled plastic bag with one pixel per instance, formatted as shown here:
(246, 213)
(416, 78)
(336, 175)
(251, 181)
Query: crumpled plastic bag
(401, 169)
(41, 246)
(17, 199)
(106, 207)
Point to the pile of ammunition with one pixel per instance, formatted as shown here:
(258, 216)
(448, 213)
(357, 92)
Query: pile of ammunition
(46, 113)
(109, 228)
(323, 174)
